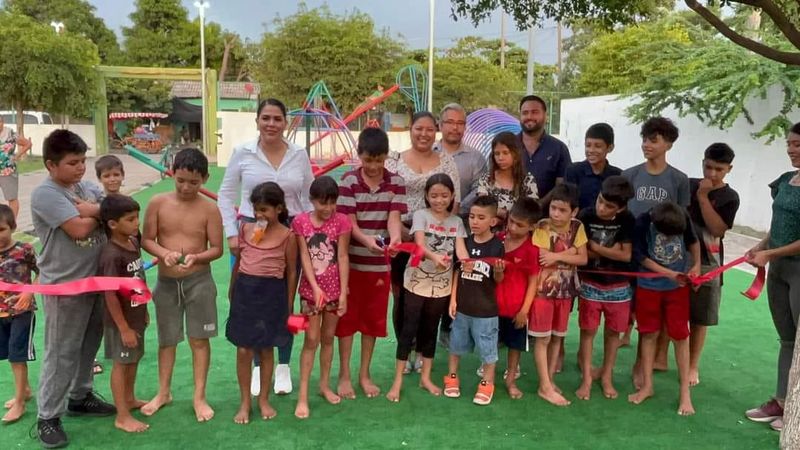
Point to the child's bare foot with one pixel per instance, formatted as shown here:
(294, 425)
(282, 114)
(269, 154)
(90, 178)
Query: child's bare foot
(560, 363)
(685, 408)
(393, 395)
(557, 389)
(268, 412)
(136, 403)
(608, 388)
(345, 390)
(10, 402)
(14, 412)
(371, 390)
(661, 365)
(330, 396)
(130, 425)
(553, 397)
(584, 392)
(513, 390)
(694, 377)
(430, 387)
(637, 377)
(242, 416)
(301, 411)
(202, 411)
(640, 396)
(156, 403)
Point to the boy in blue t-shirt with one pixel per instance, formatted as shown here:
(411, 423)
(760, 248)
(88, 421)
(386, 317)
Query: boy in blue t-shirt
(590, 173)
(662, 237)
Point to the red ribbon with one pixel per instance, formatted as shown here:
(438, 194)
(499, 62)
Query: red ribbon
(297, 323)
(133, 288)
(752, 292)
(416, 252)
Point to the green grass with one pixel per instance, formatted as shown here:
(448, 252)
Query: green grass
(738, 372)
(30, 164)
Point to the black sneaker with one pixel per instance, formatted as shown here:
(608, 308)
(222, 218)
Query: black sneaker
(92, 405)
(51, 433)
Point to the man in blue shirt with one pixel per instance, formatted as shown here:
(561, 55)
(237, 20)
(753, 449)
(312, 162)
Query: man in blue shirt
(544, 156)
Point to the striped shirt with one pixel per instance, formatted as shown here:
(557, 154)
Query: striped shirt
(371, 208)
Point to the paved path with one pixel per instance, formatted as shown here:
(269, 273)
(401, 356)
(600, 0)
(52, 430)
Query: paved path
(137, 177)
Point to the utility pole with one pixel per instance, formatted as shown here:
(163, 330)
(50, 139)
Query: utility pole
(529, 89)
(559, 49)
(502, 39)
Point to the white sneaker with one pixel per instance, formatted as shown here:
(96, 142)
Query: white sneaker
(283, 380)
(255, 381)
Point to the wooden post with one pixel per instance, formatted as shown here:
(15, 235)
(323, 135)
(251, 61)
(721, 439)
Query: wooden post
(790, 436)
(101, 118)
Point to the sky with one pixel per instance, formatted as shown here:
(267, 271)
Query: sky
(408, 18)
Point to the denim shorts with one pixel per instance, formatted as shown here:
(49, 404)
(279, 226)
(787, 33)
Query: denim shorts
(470, 332)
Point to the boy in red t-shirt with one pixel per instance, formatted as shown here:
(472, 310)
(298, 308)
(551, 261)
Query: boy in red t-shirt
(516, 292)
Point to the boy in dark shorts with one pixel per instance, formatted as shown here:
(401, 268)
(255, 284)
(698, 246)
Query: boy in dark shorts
(374, 199)
(662, 238)
(516, 292)
(184, 231)
(713, 210)
(590, 173)
(473, 302)
(65, 217)
(609, 227)
(125, 320)
(17, 319)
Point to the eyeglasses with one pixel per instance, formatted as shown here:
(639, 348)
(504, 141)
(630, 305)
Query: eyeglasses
(458, 123)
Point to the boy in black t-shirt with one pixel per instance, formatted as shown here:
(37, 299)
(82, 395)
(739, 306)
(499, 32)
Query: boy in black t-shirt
(473, 303)
(609, 227)
(125, 320)
(712, 209)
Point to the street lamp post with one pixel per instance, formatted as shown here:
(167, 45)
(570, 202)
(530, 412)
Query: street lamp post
(430, 60)
(201, 6)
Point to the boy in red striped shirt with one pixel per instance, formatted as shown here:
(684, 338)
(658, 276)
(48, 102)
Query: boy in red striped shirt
(374, 199)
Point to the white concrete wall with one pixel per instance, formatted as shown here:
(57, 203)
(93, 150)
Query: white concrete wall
(240, 127)
(37, 134)
(756, 163)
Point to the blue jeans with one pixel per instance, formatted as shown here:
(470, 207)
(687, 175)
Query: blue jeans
(470, 332)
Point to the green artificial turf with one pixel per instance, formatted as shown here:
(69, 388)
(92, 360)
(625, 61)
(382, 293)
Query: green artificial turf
(738, 372)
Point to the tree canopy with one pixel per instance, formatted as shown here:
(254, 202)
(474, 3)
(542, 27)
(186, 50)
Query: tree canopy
(40, 69)
(784, 14)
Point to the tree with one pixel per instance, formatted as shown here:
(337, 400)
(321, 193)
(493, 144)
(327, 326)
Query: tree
(344, 51)
(623, 61)
(474, 83)
(784, 14)
(55, 72)
(78, 17)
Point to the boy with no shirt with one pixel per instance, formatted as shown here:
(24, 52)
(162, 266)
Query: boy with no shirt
(185, 232)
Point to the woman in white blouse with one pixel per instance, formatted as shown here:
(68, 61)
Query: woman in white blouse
(416, 165)
(270, 157)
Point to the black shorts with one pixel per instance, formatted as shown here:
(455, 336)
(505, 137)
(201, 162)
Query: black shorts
(510, 336)
(16, 337)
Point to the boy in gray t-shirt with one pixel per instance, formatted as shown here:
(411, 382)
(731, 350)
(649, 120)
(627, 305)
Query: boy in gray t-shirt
(65, 218)
(654, 181)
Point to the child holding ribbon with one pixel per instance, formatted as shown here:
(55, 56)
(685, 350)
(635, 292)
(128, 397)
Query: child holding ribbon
(17, 264)
(323, 240)
(427, 286)
(373, 198)
(125, 319)
(263, 285)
